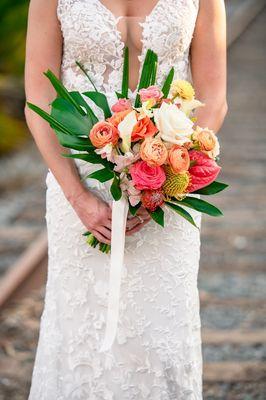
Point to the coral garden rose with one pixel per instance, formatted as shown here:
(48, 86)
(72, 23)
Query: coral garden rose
(178, 158)
(103, 133)
(203, 171)
(173, 124)
(207, 141)
(146, 177)
(118, 117)
(143, 128)
(153, 151)
(150, 93)
(121, 105)
(151, 199)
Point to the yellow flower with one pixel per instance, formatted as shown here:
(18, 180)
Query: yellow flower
(175, 184)
(183, 89)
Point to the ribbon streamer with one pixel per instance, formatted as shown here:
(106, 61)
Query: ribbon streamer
(119, 219)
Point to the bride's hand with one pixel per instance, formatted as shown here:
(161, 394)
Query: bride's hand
(95, 214)
(134, 224)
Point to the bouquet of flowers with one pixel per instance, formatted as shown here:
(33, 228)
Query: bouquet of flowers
(152, 152)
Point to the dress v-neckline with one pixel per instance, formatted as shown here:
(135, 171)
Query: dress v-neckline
(122, 44)
(124, 16)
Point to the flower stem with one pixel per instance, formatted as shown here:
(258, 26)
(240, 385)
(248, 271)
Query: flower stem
(93, 242)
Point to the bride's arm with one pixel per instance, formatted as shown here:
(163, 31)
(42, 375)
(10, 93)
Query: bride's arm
(208, 63)
(43, 51)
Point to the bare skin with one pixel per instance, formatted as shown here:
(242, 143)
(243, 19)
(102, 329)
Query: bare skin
(44, 50)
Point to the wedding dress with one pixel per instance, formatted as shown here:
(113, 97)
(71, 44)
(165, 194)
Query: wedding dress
(157, 351)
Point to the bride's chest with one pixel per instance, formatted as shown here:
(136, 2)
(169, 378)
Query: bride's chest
(89, 26)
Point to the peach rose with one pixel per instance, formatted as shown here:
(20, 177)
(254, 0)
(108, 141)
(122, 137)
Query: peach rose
(103, 133)
(146, 177)
(178, 158)
(118, 117)
(150, 93)
(207, 141)
(153, 151)
(121, 105)
(144, 128)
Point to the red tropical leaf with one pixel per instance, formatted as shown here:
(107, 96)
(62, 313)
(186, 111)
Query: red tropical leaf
(203, 171)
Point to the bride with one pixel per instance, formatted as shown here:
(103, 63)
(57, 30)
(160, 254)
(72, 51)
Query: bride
(157, 351)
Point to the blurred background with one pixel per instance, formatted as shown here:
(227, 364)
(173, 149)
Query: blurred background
(232, 271)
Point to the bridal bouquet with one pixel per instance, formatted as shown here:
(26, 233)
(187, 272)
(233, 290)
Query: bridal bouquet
(152, 150)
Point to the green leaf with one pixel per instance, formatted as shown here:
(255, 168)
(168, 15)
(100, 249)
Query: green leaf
(201, 205)
(80, 100)
(154, 64)
(147, 74)
(101, 101)
(73, 142)
(119, 95)
(158, 216)
(102, 175)
(167, 83)
(133, 209)
(92, 158)
(115, 188)
(47, 117)
(179, 210)
(62, 91)
(68, 116)
(87, 75)
(125, 80)
(213, 188)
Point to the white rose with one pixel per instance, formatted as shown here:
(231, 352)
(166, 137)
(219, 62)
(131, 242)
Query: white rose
(173, 124)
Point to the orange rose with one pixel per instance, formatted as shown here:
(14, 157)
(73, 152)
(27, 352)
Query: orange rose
(153, 151)
(144, 127)
(103, 133)
(178, 158)
(205, 137)
(118, 117)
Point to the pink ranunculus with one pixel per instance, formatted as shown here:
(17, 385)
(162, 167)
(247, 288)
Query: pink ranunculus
(121, 105)
(152, 92)
(146, 177)
(203, 171)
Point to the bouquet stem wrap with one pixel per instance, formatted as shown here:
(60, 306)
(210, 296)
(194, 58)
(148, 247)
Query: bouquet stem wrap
(119, 218)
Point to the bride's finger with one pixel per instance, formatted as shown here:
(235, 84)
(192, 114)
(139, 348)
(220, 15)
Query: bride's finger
(136, 228)
(100, 237)
(104, 232)
(132, 222)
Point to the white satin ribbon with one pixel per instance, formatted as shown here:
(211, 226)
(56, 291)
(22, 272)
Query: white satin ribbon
(119, 219)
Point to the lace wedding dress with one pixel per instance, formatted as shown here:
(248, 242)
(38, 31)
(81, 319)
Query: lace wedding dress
(157, 351)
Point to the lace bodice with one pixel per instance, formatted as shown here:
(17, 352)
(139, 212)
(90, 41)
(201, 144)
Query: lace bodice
(91, 36)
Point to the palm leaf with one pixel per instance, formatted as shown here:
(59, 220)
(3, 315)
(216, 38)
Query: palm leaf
(86, 74)
(167, 82)
(125, 80)
(47, 117)
(62, 91)
(101, 101)
(65, 113)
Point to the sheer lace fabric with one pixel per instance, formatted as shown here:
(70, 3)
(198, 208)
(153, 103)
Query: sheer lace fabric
(157, 353)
